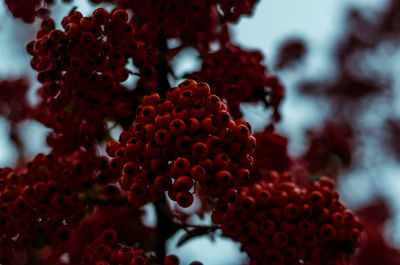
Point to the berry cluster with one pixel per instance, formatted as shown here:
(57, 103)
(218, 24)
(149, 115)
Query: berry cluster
(13, 101)
(330, 149)
(278, 222)
(271, 152)
(238, 76)
(81, 69)
(41, 204)
(187, 137)
(194, 21)
(124, 227)
(26, 9)
(105, 250)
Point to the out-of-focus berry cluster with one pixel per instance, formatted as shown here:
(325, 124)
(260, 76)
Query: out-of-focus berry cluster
(290, 54)
(271, 153)
(13, 101)
(26, 10)
(278, 222)
(238, 76)
(375, 248)
(330, 150)
(189, 137)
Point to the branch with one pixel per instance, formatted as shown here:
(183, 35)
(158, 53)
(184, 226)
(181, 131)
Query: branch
(198, 230)
(166, 227)
(163, 68)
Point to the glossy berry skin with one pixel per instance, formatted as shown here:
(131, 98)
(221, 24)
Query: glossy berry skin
(185, 139)
(277, 221)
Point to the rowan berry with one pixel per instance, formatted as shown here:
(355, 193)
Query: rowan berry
(315, 199)
(291, 211)
(100, 16)
(138, 190)
(327, 232)
(223, 178)
(183, 183)
(171, 260)
(199, 150)
(183, 144)
(304, 227)
(184, 199)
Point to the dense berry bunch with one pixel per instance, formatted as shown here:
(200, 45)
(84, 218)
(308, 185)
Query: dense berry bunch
(82, 68)
(106, 250)
(271, 152)
(41, 204)
(278, 222)
(187, 137)
(124, 227)
(238, 76)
